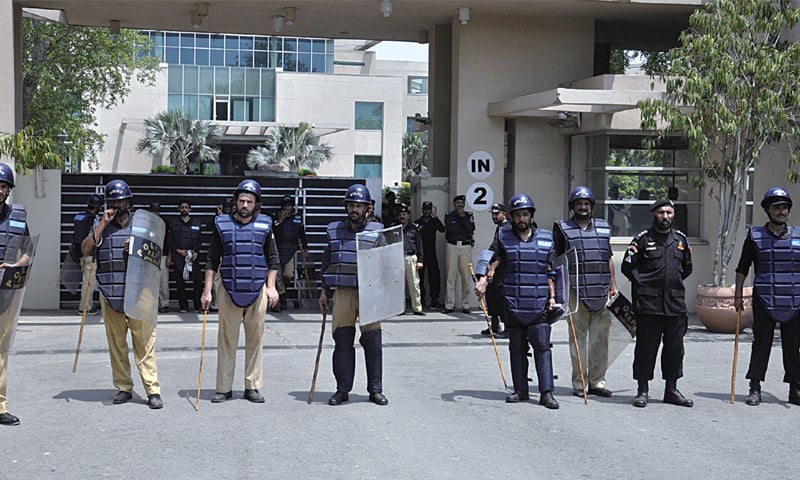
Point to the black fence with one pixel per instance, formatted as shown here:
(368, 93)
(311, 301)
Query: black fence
(318, 201)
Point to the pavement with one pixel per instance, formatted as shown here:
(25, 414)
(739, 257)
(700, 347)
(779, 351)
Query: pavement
(446, 417)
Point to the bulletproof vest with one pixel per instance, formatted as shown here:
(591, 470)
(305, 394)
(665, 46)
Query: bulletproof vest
(14, 225)
(592, 247)
(112, 262)
(186, 235)
(525, 282)
(342, 269)
(244, 268)
(288, 233)
(82, 226)
(777, 279)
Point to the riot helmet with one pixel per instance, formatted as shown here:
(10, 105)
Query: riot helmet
(579, 193)
(118, 190)
(520, 201)
(357, 193)
(776, 195)
(6, 174)
(248, 186)
(94, 200)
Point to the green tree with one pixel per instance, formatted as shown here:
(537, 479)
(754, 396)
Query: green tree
(415, 154)
(69, 72)
(185, 140)
(731, 90)
(294, 147)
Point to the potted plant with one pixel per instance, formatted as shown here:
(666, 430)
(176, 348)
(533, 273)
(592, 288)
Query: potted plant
(731, 90)
(30, 150)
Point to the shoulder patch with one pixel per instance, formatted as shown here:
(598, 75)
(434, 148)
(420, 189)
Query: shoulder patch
(640, 235)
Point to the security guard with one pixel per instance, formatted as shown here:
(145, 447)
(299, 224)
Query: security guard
(185, 249)
(528, 255)
(82, 223)
(459, 227)
(13, 223)
(412, 244)
(244, 251)
(774, 250)
(110, 236)
(429, 225)
(340, 271)
(591, 238)
(290, 234)
(657, 262)
(494, 289)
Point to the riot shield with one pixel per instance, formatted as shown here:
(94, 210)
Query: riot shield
(12, 285)
(143, 273)
(381, 274)
(623, 326)
(71, 274)
(567, 281)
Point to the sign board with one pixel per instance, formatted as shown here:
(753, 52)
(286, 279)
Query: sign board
(480, 165)
(480, 196)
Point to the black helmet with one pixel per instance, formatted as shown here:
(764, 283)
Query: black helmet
(118, 190)
(287, 200)
(94, 200)
(579, 193)
(358, 193)
(6, 174)
(776, 195)
(520, 201)
(248, 186)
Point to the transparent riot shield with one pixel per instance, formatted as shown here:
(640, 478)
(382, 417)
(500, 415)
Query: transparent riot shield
(567, 293)
(381, 274)
(20, 250)
(71, 273)
(143, 273)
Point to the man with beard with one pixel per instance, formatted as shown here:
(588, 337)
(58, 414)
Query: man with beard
(528, 257)
(185, 249)
(459, 229)
(494, 289)
(774, 249)
(412, 244)
(340, 271)
(290, 234)
(110, 236)
(657, 262)
(430, 224)
(83, 225)
(13, 223)
(244, 251)
(590, 237)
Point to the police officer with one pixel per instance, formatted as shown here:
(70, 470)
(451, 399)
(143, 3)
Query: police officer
(166, 261)
(590, 237)
(110, 236)
(527, 255)
(459, 228)
(290, 234)
(390, 208)
(82, 223)
(13, 223)
(185, 250)
(429, 224)
(494, 289)
(657, 262)
(774, 249)
(244, 251)
(340, 271)
(412, 244)
(371, 217)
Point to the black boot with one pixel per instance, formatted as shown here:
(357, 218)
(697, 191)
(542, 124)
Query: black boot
(548, 400)
(373, 357)
(517, 396)
(754, 398)
(282, 302)
(344, 363)
(641, 394)
(675, 397)
(794, 393)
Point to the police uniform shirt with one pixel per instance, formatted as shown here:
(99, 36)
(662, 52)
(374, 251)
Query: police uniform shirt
(428, 231)
(278, 228)
(459, 229)
(215, 251)
(181, 231)
(83, 226)
(412, 241)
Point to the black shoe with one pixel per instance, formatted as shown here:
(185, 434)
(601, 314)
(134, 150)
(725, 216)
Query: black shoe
(213, 309)
(8, 419)
(378, 399)
(448, 310)
(253, 395)
(466, 310)
(297, 304)
(600, 391)
(282, 303)
(221, 397)
(339, 398)
(548, 401)
(121, 397)
(163, 309)
(641, 400)
(794, 395)
(182, 310)
(517, 397)
(577, 393)
(420, 313)
(675, 397)
(436, 304)
(154, 401)
(754, 398)
(485, 331)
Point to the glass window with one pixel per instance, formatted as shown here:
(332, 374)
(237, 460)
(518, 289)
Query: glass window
(329, 63)
(237, 81)
(303, 62)
(190, 106)
(221, 81)
(367, 166)
(252, 83)
(275, 44)
(245, 43)
(232, 42)
(217, 57)
(369, 116)
(290, 44)
(290, 62)
(173, 56)
(187, 56)
(245, 58)
(217, 41)
(418, 85)
(158, 45)
(275, 60)
(174, 79)
(410, 121)
(267, 83)
(206, 110)
(187, 39)
(267, 109)
(304, 45)
(174, 101)
(626, 178)
(189, 79)
(232, 58)
(330, 44)
(221, 110)
(318, 46)
(173, 39)
(206, 80)
(261, 43)
(201, 40)
(242, 109)
(260, 59)
(201, 56)
(318, 63)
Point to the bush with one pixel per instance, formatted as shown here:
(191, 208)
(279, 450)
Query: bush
(163, 169)
(306, 172)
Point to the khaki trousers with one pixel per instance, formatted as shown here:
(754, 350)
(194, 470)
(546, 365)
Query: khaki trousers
(595, 325)
(458, 259)
(230, 316)
(86, 268)
(7, 326)
(345, 310)
(163, 289)
(285, 275)
(3, 380)
(412, 281)
(143, 339)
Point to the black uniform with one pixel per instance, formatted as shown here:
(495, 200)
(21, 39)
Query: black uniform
(495, 300)
(186, 236)
(430, 267)
(656, 272)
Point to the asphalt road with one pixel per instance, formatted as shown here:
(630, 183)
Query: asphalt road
(446, 417)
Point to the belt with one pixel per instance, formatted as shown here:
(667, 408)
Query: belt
(411, 252)
(462, 242)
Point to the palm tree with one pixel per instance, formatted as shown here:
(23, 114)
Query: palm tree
(185, 139)
(295, 147)
(415, 154)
